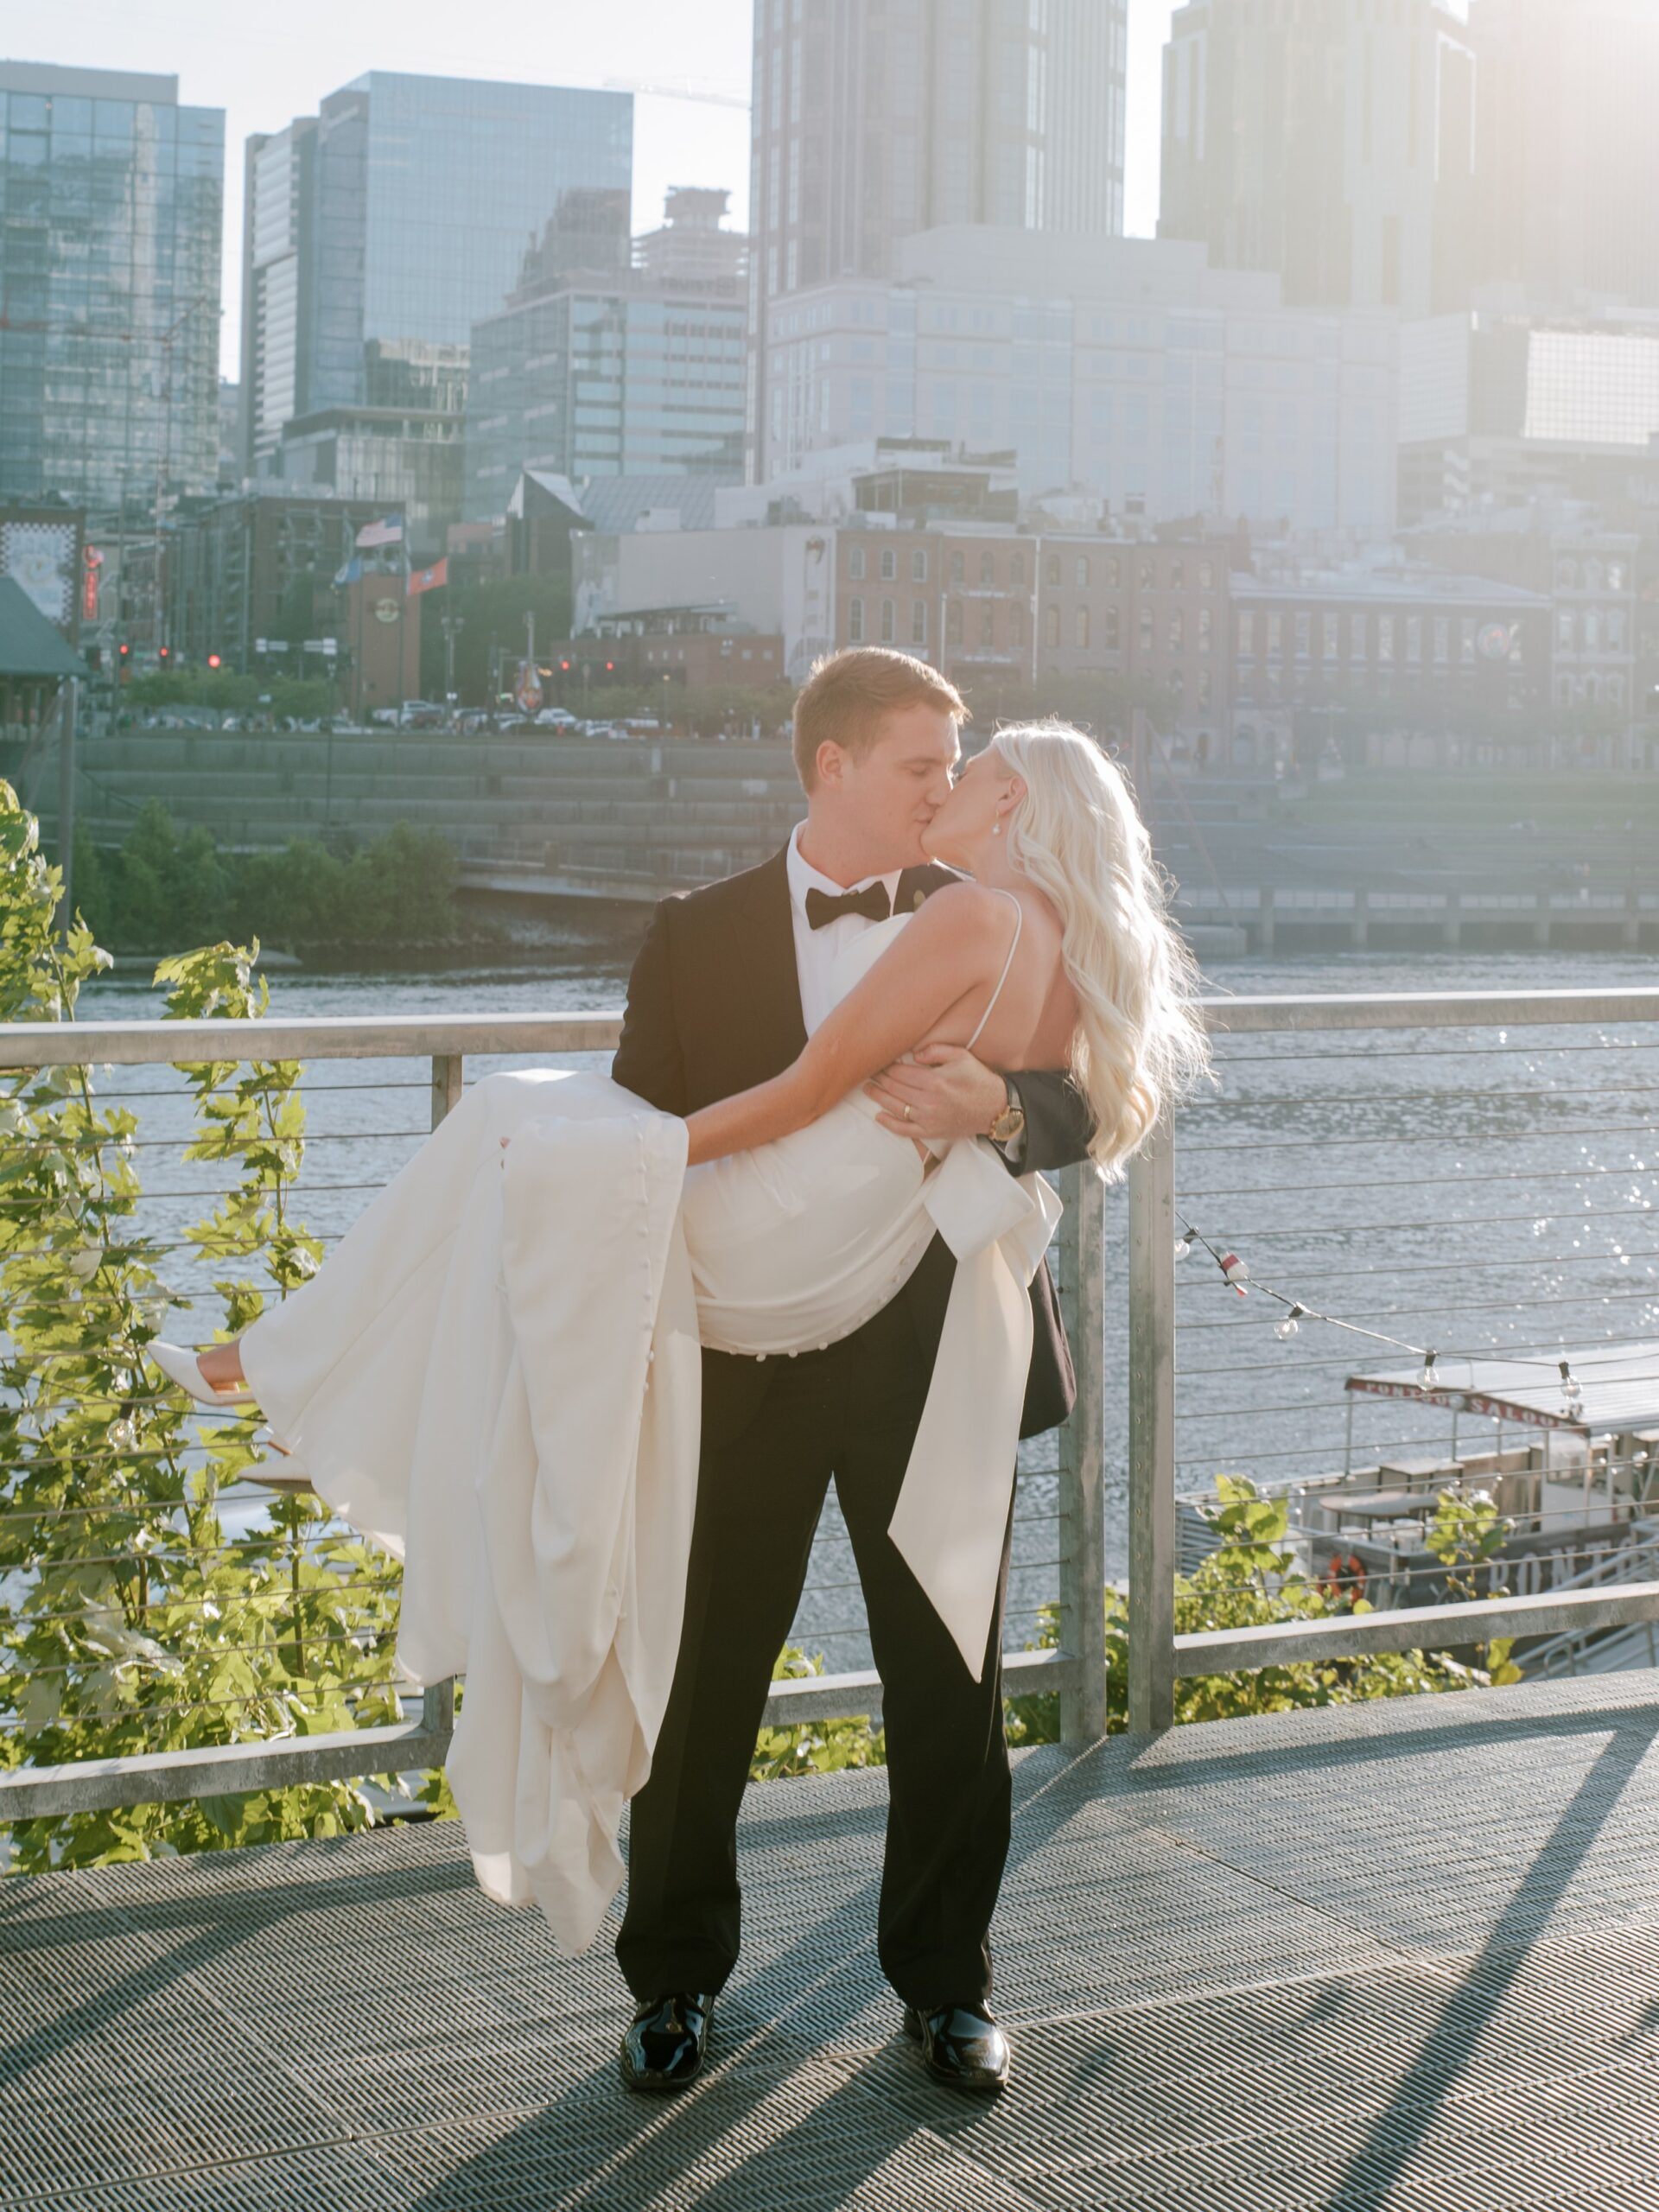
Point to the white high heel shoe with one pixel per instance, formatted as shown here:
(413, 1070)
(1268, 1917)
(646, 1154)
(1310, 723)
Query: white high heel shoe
(183, 1368)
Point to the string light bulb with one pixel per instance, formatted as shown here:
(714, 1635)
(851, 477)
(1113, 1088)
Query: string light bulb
(1572, 1391)
(1183, 1246)
(1291, 1326)
(1426, 1381)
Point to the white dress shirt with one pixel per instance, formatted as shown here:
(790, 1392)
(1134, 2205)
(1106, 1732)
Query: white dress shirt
(816, 949)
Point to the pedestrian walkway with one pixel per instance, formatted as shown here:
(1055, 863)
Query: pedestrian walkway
(1402, 1954)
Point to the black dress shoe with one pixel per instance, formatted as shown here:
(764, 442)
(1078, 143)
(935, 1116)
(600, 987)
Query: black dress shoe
(961, 2044)
(664, 2048)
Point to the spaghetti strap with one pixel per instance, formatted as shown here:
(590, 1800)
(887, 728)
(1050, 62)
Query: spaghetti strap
(990, 1009)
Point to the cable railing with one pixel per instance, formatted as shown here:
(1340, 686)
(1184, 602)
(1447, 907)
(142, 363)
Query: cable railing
(292, 1596)
(1433, 1187)
(1352, 1187)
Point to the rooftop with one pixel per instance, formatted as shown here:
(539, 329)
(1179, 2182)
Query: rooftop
(1400, 1954)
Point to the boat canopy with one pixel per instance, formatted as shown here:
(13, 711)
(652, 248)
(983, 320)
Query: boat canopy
(1620, 1383)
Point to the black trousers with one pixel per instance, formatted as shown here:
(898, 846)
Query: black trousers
(850, 1412)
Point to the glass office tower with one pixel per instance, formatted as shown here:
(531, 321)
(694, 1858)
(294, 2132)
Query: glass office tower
(109, 286)
(395, 219)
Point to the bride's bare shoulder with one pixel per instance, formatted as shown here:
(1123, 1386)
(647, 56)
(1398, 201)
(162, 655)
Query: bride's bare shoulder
(963, 909)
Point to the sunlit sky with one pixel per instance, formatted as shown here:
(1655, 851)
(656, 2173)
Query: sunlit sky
(264, 68)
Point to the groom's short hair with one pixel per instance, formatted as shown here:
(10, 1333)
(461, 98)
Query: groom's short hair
(846, 694)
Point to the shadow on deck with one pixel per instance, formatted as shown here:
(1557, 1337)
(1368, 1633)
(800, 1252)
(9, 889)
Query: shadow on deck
(1403, 1955)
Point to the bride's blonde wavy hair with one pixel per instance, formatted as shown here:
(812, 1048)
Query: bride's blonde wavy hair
(1078, 834)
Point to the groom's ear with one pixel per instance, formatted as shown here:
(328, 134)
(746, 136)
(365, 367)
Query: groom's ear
(829, 764)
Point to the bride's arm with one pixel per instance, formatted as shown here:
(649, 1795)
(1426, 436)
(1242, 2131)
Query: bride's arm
(956, 941)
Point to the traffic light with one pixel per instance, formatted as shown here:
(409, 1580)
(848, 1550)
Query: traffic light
(164, 653)
(610, 667)
(564, 667)
(124, 662)
(214, 661)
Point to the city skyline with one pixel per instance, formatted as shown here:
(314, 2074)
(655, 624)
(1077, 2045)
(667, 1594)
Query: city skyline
(261, 77)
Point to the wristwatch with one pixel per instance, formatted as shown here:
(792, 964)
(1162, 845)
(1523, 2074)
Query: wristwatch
(1010, 1124)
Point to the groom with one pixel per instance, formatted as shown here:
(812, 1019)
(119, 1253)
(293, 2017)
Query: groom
(728, 986)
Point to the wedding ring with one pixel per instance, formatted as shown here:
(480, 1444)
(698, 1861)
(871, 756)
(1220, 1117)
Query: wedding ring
(909, 1112)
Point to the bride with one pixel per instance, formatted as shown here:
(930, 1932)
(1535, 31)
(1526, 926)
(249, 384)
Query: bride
(497, 1375)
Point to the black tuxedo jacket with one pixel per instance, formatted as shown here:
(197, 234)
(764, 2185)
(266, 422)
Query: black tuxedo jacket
(714, 1007)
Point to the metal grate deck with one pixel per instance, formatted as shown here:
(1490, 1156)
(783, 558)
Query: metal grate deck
(1404, 1955)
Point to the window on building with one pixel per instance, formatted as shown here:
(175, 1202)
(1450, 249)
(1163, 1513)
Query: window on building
(1466, 629)
(1017, 625)
(856, 564)
(1592, 629)
(1016, 571)
(1178, 574)
(1082, 572)
(1359, 645)
(1052, 570)
(1178, 631)
(986, 570)
(889, 618)
(1146, 631)
(1615, 576)
(889, 564)
(1206, 576)
(1443, 639)
(987, 625)
(1247, 634)
(855, 621)
(958, 570)
(1109, 629)
(1330, 636)
(1206, 689)
(1385, 639)
(1615, 629)
(1415, 638)
(1051, 624)
(953, 623)
(1304, 637)
(919, 565)
(1149, 573)
(1566, 629)
(1081, 629)
(1176, 683)
(1114, 573)
(918, 621)
(1275, 636)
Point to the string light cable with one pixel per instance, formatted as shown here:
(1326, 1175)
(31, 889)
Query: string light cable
(1236, 1274)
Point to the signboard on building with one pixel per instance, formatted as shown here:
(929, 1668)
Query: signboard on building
(42, 554)
(528, 689)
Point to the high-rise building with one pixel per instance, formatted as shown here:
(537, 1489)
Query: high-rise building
(1126, 369)
(1332, 142)
(380, 231)
(110, 271)
(875, 120)
(1569, 91)
(597, 368)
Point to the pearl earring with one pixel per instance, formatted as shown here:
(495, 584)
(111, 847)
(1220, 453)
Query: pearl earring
(996, 829)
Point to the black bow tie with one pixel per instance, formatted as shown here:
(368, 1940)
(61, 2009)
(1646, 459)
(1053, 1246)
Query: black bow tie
(871, 902)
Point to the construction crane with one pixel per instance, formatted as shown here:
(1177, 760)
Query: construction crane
(684, 89)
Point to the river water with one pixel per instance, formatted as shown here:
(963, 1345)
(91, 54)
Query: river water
(1466, 1191)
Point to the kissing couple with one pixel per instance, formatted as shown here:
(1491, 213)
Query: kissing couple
(588, 1363)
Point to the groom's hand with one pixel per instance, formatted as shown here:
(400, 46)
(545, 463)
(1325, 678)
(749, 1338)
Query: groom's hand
(950, 1094)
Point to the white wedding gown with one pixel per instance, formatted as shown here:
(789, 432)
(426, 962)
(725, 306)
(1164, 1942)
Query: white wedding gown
(497, 1376)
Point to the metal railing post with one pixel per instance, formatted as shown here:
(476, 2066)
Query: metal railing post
(1083, 1447)
(448, 1081)
(1152, 1435)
